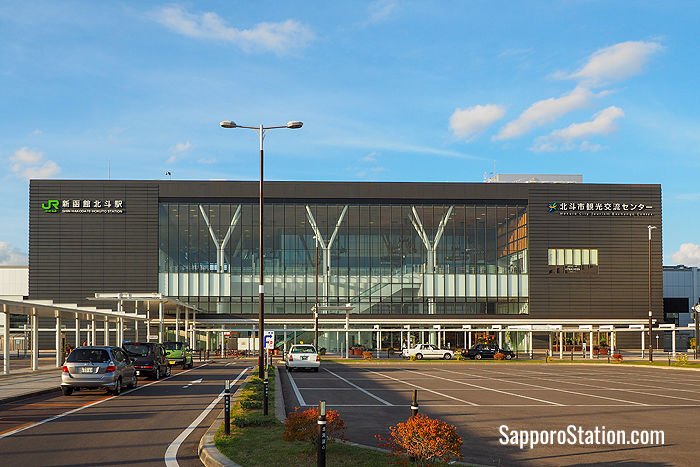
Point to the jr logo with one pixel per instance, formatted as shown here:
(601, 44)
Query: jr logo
(50, 205)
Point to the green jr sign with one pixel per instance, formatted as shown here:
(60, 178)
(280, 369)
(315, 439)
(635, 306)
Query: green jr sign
(50, 205)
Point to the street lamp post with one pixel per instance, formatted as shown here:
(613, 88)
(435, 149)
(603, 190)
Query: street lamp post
(316, 302)
(261, 287)
(651, 346)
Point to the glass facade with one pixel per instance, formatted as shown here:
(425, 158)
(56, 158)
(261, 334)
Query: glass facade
(394, 259)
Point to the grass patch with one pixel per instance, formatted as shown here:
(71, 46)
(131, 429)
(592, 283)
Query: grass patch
(256, 439)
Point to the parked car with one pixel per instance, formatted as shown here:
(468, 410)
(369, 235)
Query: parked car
(422, 351)
(302, 356)
(97, 367)
(149, 359)
(178, 353)
(479, 351)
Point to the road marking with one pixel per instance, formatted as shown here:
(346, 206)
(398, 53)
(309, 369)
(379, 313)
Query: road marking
(556, 389)
(489, 389)
(193, 382)
(358, 387)
(423, 388)
(295, 388)
(92, 404)
(171, 453)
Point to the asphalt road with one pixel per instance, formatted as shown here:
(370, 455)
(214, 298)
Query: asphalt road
(480, 397)
(134, 429)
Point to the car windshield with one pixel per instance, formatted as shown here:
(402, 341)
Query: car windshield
(303, 349)
(139, 350)
(88, 356)
(173, 346)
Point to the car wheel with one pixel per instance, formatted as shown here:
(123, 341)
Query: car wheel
(447, 356)
(478, 356)
(134, 382)
(168, 371)
(509, 356)
(191, 363)
(316, 370)
(157, 375)
(117, 388)
(290, 369)
(419, 356)
(66, 390)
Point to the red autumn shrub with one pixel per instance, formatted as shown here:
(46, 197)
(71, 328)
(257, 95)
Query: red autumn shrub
(303, 426)
(425, 440)
(499, 356)
(366, 355)
(617, 357)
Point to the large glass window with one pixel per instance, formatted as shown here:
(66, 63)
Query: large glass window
(382, 258)
(572, 260)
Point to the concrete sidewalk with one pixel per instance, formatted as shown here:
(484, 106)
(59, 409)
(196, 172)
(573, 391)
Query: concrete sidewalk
(25, 382)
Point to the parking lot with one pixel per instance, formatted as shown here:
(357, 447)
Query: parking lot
(480, 397)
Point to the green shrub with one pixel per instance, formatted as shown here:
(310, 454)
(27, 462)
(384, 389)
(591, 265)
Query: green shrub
(253, 419)
(251, 404)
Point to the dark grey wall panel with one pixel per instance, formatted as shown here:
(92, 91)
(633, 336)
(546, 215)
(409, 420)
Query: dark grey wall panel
(74, 255)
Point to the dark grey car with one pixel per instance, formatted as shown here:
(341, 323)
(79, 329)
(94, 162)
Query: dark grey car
(98, 367)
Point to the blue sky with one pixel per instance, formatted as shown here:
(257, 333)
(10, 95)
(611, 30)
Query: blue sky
(388, 91)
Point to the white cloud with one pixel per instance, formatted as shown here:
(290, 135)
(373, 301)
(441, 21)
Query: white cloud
(380, 11)
(617, 62)
(171, 160)
(37, 132)
(30, 164)
(469, 123)
(573, 137)
(688, 254)
(546, 111)
(276, 37)
(11, 256)
(207, 160)
(371, 157)
(182, 147)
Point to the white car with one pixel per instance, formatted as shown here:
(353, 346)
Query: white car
(302, 356)
(422, 351)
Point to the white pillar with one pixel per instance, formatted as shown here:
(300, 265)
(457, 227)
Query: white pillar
(470, 339)
(120, 331)
(106, 331)
(673, 342)
(161, 333)
(500, 339)
(188, 342)
(148, 321)
(207, 341)
(379, 341)
(284, 344)
(222, 343)
(93, 331)
(529, 342)
(77, 330)
(561, 345)
(194, 329)
(5, 340)
(35, 340)
(590, 345)
(177, 323)
(59, 352)
(136, 321)
(643, 344)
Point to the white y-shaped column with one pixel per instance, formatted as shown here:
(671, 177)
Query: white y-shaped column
(431, 248)
(326, 247)
(221, 245)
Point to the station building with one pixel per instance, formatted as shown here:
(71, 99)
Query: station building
(532, 264)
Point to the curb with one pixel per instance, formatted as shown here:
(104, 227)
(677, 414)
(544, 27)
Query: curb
(280, 412)
(207, 451)
(27, 395)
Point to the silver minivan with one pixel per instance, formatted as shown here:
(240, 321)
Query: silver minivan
(108, 368)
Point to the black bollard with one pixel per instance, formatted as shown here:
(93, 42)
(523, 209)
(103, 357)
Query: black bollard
(414, 403)
(266, 392)
(227, 408)
(322, 436)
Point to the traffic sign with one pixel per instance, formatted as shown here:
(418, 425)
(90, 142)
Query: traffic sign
(269, 340)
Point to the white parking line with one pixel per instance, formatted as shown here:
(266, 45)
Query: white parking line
(358, 387)
(492, 389)
(171, 453)
(295, 388)
(560, 390)
(422, 388)
(61, 415)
